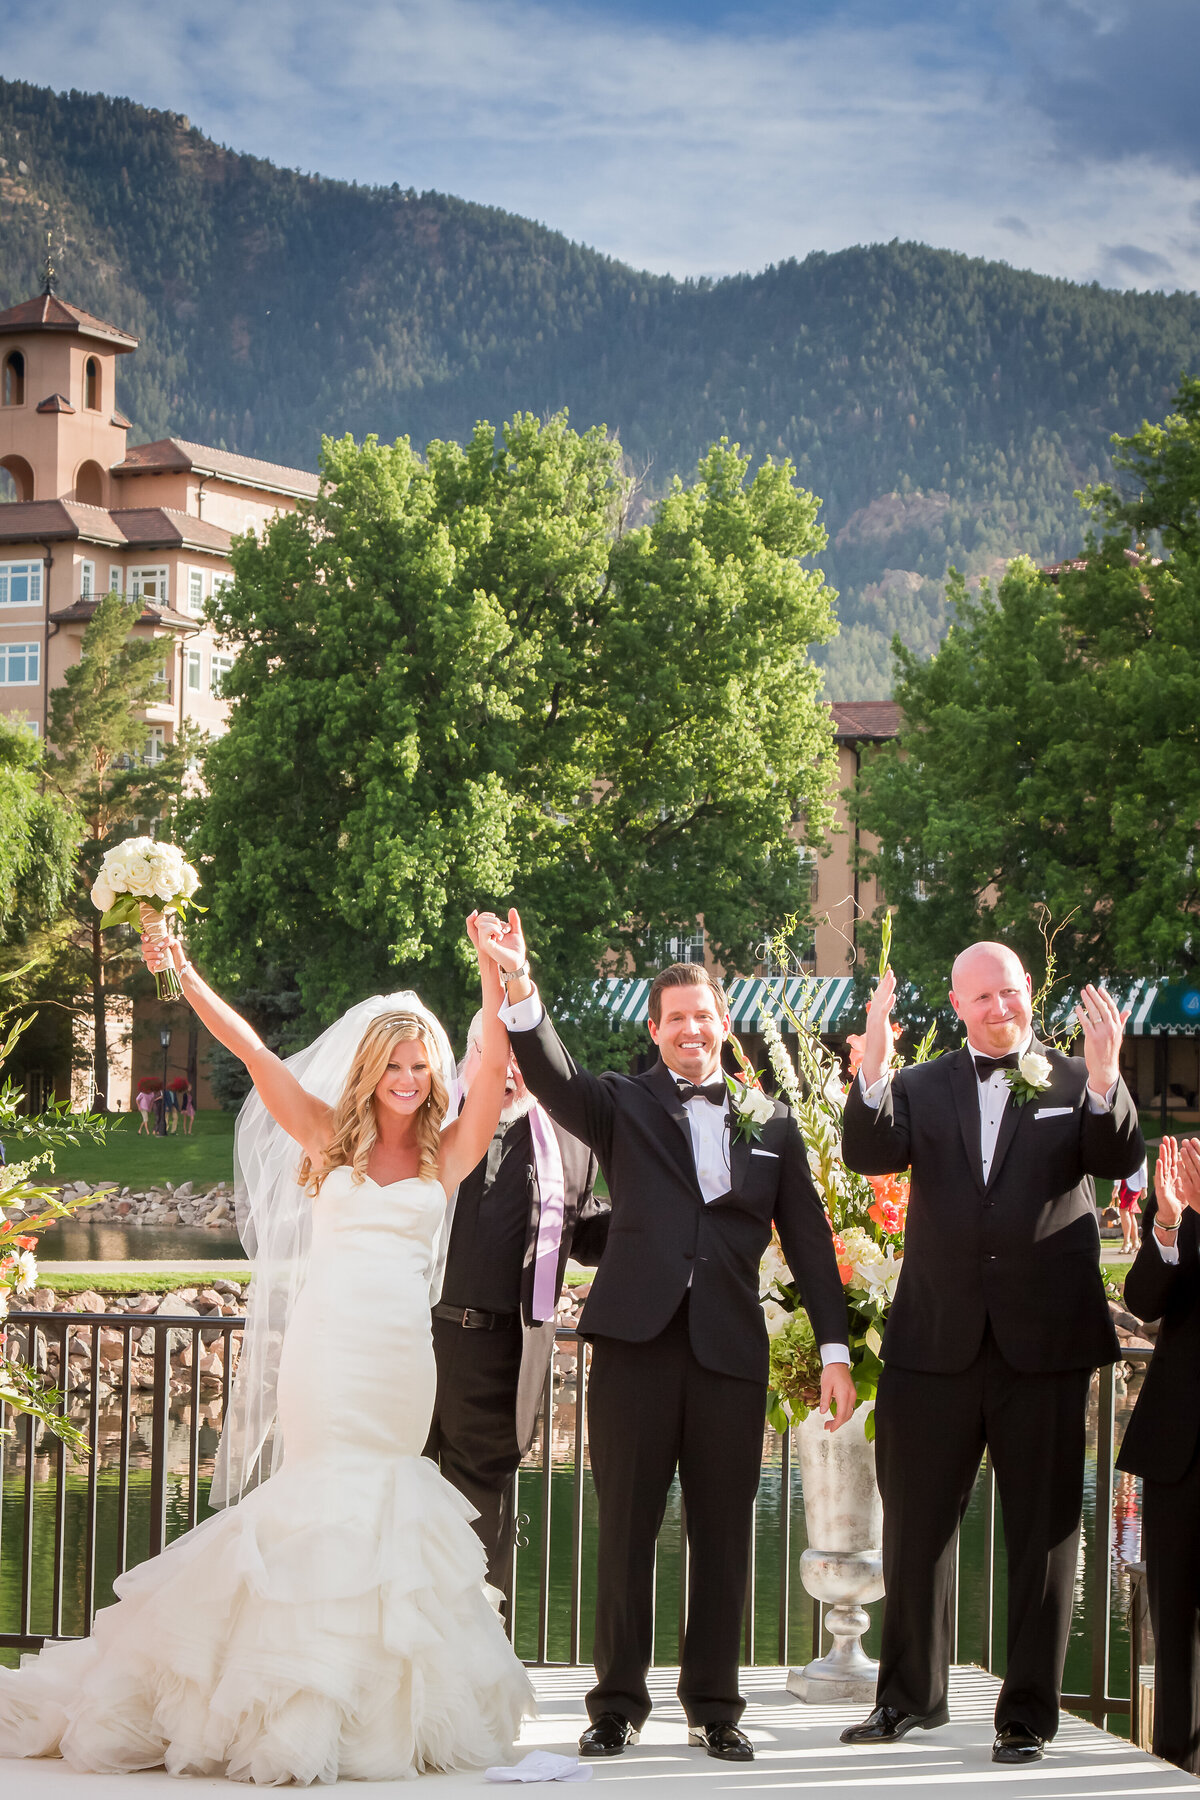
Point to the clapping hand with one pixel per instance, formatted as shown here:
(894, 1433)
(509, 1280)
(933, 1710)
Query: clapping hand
(1103, 1027)
(1176, 1181)
(878, 1039)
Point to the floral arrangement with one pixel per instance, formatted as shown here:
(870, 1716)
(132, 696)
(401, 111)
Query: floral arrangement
(1030, 1078)
(866, 1213)
(139, 883)
(22, 1390)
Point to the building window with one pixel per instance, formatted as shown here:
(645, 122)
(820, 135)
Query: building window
(87, 580)
(156, 744)
(20, 665)
(219, 667)
(32, 726)
(196, 590)
(148, 584)
(91, 384)
(686, 949)
(116, 584)
(14, 379)
(192, 665)
(21, 584)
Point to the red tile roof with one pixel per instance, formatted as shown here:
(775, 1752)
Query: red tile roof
(81, 611)
(176, 454)
(859, 721)
(56, 403)
(135, 527)
(49, 313)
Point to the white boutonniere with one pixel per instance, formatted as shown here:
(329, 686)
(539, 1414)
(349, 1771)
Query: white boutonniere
(1030, 1077)
(750, 1108)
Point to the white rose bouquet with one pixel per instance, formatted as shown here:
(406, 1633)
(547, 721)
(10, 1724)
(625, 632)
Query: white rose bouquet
(139, 883)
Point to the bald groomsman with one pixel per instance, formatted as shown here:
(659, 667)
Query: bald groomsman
(1000, 1317)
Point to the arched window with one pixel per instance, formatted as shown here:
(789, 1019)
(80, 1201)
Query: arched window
(19, 483)
(14, 379)
(91, 384)
(89, 484)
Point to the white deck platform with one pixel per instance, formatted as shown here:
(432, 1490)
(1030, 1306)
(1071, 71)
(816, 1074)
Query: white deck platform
(797, 1749)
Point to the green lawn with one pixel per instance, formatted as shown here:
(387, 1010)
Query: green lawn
(97, 1281)
(128, 1160)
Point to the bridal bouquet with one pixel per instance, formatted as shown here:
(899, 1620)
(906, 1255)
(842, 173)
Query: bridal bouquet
(139, 883)
(866, 1212)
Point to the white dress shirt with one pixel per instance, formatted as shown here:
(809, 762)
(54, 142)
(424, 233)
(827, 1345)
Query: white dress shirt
(993, 1098)
(710, 1127)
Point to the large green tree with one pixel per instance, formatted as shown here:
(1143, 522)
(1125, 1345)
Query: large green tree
(37, 844)
(462, 680)
(97, 769)
(1050, 751)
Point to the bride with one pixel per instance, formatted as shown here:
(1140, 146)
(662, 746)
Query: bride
(334, 1623)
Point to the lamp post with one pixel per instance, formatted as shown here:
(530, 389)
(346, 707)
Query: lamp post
(164, 1038)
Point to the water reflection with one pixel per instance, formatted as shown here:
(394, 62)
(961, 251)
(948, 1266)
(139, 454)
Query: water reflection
(84, 1240)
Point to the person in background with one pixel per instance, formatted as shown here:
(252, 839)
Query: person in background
(522, 1211)
(145, 1102)
(1162, 1444)
(1128, 1195)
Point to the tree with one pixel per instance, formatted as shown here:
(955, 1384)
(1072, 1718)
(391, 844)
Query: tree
(96, 767)
(461, 680)
(37, 846)
(1050, 751)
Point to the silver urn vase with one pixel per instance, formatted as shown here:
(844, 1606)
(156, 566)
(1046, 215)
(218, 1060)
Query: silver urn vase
(843, 1566)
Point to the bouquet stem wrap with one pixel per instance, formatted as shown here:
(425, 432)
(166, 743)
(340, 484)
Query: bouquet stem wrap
(154, 927)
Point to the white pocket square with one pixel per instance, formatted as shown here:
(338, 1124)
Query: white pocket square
(1053, 1112)
(773, 1154)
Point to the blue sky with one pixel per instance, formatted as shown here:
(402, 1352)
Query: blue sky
(694, 136)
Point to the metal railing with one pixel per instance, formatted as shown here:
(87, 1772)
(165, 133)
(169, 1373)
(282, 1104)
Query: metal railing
(795, 1629)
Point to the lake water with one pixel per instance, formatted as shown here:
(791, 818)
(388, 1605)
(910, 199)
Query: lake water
(83, 1240)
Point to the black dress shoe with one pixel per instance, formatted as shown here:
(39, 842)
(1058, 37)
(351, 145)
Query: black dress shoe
(723, 1740)
(1015, 1743)
(887, 1724)
(607, 1736)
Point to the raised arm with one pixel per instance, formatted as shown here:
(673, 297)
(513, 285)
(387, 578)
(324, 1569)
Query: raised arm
(301, 1114)
(576, 1100)
(466, 1140)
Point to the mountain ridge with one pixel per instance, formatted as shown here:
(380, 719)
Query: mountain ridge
(944, 408)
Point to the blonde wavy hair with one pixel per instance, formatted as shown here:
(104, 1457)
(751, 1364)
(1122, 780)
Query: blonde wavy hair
(354, 1128)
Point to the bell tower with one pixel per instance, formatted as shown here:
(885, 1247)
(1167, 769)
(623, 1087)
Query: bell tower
(60, 428)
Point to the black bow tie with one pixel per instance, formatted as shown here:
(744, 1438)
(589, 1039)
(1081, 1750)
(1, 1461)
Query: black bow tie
(986, 1066)
(714, 1091)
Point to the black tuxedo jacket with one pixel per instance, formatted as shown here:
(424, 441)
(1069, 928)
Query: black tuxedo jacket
(1021, 1249)
(585, 1229)
(1161, 1437)
(662, 1234)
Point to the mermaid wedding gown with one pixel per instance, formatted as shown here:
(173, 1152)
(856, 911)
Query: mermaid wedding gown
(334, 1624)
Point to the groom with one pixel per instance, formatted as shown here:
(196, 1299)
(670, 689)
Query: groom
(1000, 1317)
(679, 1347)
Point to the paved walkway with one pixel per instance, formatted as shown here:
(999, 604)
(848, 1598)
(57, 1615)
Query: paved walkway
(797, 1749)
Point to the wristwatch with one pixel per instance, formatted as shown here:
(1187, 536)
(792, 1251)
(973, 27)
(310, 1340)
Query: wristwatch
(517, 974)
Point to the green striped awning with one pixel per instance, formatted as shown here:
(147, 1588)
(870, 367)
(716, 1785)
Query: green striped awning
(821, 1001)
(1171, 1008)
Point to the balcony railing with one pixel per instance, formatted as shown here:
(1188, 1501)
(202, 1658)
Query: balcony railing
(153, 1432)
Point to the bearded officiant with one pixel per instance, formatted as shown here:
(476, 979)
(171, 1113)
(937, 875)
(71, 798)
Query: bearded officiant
(526, 1207)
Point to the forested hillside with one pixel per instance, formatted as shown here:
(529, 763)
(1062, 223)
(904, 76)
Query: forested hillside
(943, 408)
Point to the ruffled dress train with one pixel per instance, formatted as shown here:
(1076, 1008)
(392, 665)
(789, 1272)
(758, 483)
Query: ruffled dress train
(334, 1624)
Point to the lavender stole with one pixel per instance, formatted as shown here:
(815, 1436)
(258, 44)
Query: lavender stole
(552, 1189)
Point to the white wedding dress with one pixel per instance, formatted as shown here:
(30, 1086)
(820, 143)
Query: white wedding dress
(334, 1624)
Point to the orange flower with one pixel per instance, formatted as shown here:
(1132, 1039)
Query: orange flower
(845, 1266)
(26, 1243)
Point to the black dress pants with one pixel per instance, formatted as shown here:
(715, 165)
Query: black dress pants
(473, 1433)
(1171, 1547)
(653, 1408)
(931, 1432)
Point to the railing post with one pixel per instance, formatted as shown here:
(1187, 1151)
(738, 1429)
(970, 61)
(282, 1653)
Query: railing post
(1101, 1547)
(158, 1438)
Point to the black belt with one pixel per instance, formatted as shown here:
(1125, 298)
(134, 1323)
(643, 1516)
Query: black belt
(472, 1319)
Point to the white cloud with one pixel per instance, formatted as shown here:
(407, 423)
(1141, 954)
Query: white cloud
(675, 148)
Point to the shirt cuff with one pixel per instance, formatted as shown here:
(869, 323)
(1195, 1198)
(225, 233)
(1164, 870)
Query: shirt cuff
(1098, 1103)
(835, 1353)
(1168, 1252)
(873, 1094)
(523, 1015)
